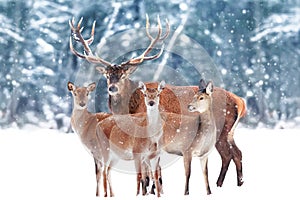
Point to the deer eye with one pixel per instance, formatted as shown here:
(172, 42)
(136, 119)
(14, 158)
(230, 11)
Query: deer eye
(201, 98)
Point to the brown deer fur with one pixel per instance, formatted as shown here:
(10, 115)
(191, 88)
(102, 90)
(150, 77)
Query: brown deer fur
(84, 124)
(123, 99)
(228, 108)
(106, 135)
(192, 135)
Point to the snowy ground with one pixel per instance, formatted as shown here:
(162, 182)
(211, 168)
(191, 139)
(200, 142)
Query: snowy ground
(40, 163)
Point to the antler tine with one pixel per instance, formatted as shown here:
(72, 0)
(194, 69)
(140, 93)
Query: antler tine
(91, 39)
(147, 27)
(88, 54)
(167, 32)
(76, 32)
(159, 27)
(71, 24)
(156, 55)
(79, 23)
(74, 51)
(142, 57)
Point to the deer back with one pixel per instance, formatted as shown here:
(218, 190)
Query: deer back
(226, 105)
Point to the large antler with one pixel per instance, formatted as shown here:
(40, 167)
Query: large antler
(88, 55)
(143, 56)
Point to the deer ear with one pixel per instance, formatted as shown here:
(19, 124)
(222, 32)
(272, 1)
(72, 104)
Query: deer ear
(142, 86)
(91, 87)
(161, 85)
(102, 70)
(71, 86)
(209, 88)
(202, 85)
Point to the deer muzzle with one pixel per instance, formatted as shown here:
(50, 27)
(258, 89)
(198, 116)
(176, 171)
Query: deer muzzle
(113, 89)
(82, 104)
(191, 108)
(151, 103)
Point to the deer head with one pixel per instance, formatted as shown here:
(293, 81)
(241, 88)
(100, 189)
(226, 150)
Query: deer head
(116, 73)
(80, 94)
(203, 98)
(151, 94)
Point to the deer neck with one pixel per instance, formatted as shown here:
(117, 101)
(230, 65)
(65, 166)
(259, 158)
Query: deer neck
(154, 121)
(79, 119)
(207, 121)
(119, 104)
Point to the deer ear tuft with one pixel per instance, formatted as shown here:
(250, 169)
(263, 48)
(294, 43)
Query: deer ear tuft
(209, 88)
(202, 85)
(71, 86)
(142, 86)
(161, 85)
(91, 87)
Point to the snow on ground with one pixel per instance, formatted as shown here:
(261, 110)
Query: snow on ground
(42, 163)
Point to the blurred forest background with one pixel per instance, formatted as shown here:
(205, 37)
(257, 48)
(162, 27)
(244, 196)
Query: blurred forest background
(253, 44)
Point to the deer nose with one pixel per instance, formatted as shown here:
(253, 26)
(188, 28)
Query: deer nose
(191, 108)
(82, 104)
(151, 103)
(113, 89)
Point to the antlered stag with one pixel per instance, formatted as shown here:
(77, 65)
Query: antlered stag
(124, 97)
(84, 124)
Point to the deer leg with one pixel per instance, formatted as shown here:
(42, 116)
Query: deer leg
(237, 158)
(144, 181)
(139, 175)
(187, 159)
(159, 182)
(145, 178)
(98, 175)
(105, 181)
(109, 181)
(204, 162)
(148, 178)
(224, 151)
(155, 167)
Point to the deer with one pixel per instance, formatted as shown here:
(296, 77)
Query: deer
(155, 123)
(192, 136)
(138, 137)
(101, 132)
(124, 97)
(84, 123)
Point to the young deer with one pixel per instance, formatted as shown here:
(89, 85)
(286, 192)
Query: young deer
(154, 125)
(137, 137)
(192, 136)
(84, 124)
(124, 97)
(91, 128)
